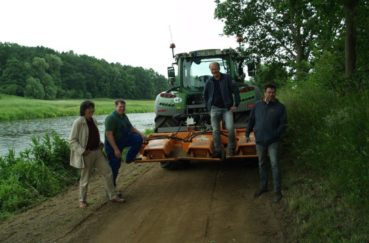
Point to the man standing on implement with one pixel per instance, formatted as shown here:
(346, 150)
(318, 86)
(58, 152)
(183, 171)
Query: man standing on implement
(119, 133)
(218, 95)
(268, 120)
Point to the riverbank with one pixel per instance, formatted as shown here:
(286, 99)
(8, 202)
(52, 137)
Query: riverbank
(19, 108)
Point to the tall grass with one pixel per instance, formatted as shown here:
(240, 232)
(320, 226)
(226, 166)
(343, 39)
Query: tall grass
(41, 171)
(328, 144)
(18, 108)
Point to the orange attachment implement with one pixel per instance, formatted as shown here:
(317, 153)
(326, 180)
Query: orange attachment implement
(192, 145)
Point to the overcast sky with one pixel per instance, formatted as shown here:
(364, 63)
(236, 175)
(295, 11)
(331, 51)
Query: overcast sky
(131, 32)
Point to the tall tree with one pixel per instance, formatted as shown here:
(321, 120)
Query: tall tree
(14, 76)
(276, 31)
(350, 41)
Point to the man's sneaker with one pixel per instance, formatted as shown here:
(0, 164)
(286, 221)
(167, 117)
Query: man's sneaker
(277, 197)
(129, 161)
(258, 193)
(83, 204)
(138, 157)
(117, 199)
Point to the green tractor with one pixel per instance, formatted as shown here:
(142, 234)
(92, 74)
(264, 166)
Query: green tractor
(184, 100)
(182, 124)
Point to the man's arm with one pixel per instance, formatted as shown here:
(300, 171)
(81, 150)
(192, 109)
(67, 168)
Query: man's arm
(250, 125)
(206, 93)
(236, 93)
(111, 140)
(109, 128)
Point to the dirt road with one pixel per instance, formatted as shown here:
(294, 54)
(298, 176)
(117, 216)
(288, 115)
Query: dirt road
(207, 203)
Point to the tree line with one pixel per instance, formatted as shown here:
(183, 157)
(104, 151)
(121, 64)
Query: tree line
(292, 39)
(42, 73)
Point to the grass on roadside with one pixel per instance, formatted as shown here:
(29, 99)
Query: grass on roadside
(19, 108)
(328, 177)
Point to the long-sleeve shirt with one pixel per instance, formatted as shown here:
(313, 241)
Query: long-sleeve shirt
(268, 121)
(228, 88)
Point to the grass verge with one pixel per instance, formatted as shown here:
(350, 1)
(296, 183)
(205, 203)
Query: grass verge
(19, 108)
(327, 177)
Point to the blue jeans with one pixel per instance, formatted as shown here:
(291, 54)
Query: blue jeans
(272, 151)
(216, 115)
(132, 140)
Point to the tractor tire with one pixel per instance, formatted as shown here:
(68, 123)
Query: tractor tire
(165, 121)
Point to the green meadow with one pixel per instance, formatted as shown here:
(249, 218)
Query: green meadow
(19, 108)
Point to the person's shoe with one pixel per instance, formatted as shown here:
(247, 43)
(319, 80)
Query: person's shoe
(117, 199)
(119, 194)
(129, 161)
(217, 155)
(258, 193)
(83, 204)
(277, 197)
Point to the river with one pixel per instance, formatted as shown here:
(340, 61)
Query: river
(17, 134)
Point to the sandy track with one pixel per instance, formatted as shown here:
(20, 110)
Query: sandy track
(209, 202)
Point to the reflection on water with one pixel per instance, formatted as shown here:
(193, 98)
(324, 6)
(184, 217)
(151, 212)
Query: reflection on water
(17, 134)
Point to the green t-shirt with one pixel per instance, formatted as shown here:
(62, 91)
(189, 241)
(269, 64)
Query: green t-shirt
(119, 125)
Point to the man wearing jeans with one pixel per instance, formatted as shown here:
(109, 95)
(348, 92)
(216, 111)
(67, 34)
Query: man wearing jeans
(218, 95)
(268, 120)
(119, 133)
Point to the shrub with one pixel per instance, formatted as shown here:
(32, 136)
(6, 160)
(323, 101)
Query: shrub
(40, 171)
(329, 143)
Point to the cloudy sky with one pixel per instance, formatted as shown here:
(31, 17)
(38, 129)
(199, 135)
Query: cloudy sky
(132, 32)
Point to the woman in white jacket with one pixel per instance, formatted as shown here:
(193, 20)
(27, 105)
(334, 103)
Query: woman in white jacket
(86, 153)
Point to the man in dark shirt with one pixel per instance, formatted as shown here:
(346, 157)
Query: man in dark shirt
(268, 120)
(218, 95)
(119, 133)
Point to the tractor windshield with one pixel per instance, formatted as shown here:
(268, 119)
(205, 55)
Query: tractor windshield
(196, 71)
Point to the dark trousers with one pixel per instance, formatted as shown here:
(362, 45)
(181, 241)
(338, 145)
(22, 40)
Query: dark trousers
(132, 140)
(263, 152)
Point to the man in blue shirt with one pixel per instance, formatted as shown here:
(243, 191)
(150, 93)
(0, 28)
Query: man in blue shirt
(218, 95)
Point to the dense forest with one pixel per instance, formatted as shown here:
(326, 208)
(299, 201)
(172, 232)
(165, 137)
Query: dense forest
(43, 73)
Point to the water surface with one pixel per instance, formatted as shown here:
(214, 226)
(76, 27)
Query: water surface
(17, 134)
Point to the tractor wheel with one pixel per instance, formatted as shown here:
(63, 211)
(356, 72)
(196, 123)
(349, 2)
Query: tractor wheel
(175, 165)
(165, 121)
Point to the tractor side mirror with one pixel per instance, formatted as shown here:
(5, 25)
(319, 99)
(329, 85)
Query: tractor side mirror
(171, 72)
(171, 76)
